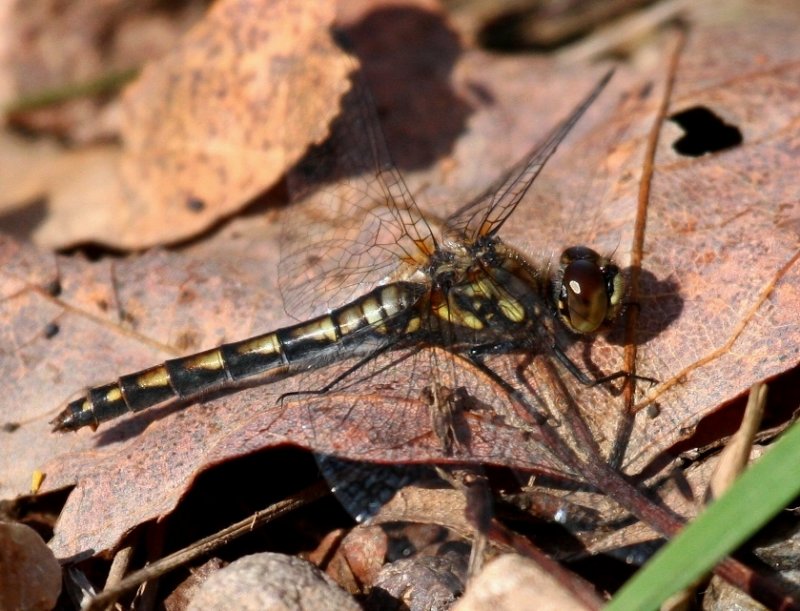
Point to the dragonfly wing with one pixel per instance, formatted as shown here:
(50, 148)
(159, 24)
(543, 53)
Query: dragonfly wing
(486, 214)
(355, 222)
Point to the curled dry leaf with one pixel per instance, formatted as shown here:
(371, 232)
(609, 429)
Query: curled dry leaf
(205, 128)
(423, 581)
(352, 558)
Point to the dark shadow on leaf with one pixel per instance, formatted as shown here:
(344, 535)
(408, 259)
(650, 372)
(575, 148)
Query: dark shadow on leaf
(408, 56)
(22, 221)
(660, 304)
(419, 113)
(235, 489)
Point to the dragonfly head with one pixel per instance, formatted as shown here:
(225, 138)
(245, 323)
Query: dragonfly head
(587, 290)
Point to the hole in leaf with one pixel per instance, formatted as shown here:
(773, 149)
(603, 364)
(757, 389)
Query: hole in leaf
(704, 131)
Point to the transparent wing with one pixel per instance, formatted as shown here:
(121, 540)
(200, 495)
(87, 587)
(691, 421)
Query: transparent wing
(486, 214)
(387, 412)
(355, 223)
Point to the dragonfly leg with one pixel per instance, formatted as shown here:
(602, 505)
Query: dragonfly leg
(588, 381)
(503, 347)
(475, 356)
(478, 352)
(339, 378)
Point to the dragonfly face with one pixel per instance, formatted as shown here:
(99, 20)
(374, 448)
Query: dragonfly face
(587, 290)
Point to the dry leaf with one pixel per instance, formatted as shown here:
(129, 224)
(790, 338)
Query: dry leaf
(54, 50)
(707, 329)
(204, 128)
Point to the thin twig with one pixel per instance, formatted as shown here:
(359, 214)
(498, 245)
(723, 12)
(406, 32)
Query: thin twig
(208, 544)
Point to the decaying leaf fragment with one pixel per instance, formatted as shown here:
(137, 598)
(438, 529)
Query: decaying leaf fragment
(204, 128)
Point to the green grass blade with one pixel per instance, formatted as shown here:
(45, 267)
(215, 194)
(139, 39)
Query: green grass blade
(762, 491)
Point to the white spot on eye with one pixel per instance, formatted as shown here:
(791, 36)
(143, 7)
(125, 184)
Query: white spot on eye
(575, 286)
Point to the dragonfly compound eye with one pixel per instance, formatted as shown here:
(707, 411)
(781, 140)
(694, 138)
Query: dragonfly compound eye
(589, 290)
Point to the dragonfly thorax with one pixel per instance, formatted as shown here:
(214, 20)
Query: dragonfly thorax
(489, 287)
(485, 288)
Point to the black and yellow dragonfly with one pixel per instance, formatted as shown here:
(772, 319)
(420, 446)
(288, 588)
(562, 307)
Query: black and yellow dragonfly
(456, 285)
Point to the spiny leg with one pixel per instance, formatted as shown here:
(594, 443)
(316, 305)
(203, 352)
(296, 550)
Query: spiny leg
(339, 378)
(568, 363)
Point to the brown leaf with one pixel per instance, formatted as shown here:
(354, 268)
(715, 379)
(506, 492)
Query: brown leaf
(204, 128)
(726, 228)
(707, 329)
(53, 50)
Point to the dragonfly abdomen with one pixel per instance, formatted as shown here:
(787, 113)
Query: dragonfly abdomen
(383, 313)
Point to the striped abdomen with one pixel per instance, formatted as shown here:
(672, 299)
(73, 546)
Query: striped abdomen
(386, 312)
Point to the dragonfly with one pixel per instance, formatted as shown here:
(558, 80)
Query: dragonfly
(452, 286)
